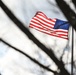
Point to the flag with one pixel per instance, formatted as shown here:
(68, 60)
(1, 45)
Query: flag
(54, 27)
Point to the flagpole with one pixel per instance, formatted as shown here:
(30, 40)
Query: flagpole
(72, 51)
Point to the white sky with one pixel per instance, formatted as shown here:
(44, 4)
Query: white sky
(25, 10)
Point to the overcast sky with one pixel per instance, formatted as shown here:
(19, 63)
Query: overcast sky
(12, 62)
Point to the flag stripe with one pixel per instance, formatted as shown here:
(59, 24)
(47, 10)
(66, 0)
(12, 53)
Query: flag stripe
(49, 33)
(42, 14)
(42, 24)
(46, 25)
(45, 20)
(54, 31)
(40, 27)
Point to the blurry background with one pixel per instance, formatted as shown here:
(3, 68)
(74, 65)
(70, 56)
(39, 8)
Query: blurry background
(15, 63)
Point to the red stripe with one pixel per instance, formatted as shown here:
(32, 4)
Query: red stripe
(61, 30)
(53, 20)
(45, 20)
(54, 32)
(42, 24)
(42, 14)
(40, 29)
(35, 22)
(60, 33)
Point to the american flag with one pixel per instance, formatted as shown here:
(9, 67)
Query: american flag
(53, 27)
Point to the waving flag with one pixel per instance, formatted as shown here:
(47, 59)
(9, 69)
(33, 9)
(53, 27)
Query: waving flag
(54, 27)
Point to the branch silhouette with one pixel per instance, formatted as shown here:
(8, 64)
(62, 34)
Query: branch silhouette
(68, 12)
(32, 59)
(74, 2)
(49, 52)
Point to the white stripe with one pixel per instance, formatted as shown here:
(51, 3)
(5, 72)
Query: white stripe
(61, 30)
(47, 32)
(41, 29)
(40, 13)
(46, 16)
(46, 19)
(43, 24)
(35, 24)
(61, 33)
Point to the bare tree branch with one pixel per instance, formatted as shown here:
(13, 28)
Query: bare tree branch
(68, 12)
(49, 52)
(74, 1)
(32, 59)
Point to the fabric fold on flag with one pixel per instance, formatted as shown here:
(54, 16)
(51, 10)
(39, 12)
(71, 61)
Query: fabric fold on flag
(53, 27)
